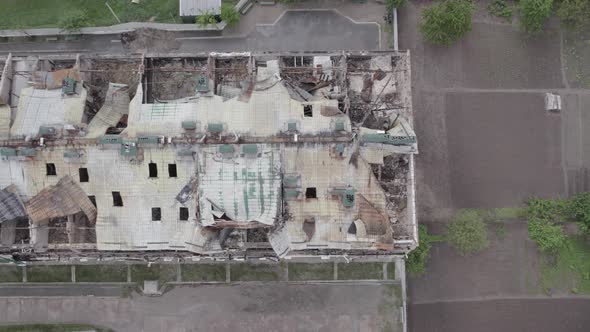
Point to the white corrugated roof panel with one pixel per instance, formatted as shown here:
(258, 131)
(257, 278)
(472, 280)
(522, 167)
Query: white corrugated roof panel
(198, 7)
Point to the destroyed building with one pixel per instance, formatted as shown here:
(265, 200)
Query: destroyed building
(223, 153)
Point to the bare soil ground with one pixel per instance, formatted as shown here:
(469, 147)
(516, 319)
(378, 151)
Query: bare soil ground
(503, 148)
(538, 315)
(486, 141)
(508, 267)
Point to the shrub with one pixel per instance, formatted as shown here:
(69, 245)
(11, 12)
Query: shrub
(446, 22)
(500, 8)
(550, 210)
(230, 15)
(467, 232)
(575, 14)
(206, 18)
(417, 259)
(578, 209)
(390, 4)
(548, 236)
(74, 21)
(533, 14)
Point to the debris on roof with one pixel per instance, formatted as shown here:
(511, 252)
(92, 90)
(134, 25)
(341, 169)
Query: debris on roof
(214, 154)
(115, 106)
(11, 207)
(64, 199)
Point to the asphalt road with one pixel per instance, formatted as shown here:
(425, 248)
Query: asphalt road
(317, 30)
(513, 315)
(260, 307)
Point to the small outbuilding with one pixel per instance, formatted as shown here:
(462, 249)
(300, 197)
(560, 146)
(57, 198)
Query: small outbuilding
(190, 9)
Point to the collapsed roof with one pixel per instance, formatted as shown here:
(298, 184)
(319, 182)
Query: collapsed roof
(292, 145)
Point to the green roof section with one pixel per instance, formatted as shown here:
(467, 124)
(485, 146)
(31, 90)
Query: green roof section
(202, 83)
(7, 152)
(148, 139)
(226, 148)
(387, 139)
(27, 152)
(68, 86)
(185, 153)
(348, 197)
(291, 181)
(292, 126)
(110, 139)
(72, 154)
(292, 193)
(46, 131)
(215, 127)
(189, 125)
(129, 148)
(250, 149)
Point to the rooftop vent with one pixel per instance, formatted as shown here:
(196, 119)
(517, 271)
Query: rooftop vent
(189, 125)
(250, 149)
(68, 86)
(215, 127)
(202, 83)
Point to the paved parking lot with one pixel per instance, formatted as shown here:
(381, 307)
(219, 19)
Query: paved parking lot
(261, 307)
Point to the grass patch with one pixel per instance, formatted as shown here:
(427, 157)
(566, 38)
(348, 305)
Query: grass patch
(101, 273)
(203, 272)
(391, 271)
(19, 14)
(360, 271)
(11, 273)
(388, 31)
(508, 213)
(498, 229)
(568, 269)
(161, 272)
(501, 8)
(255, 272)
(52, 328)
(311, 271)
(49, 273)
(229, 2)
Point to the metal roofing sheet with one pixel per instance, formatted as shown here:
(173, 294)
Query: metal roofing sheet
(64, 199)
(38, 107)
(11, 207)
(245, 189)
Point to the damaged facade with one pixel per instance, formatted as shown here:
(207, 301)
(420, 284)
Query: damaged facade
(242, 154)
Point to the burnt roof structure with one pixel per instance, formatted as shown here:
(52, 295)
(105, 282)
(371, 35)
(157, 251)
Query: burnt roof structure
(257, 154)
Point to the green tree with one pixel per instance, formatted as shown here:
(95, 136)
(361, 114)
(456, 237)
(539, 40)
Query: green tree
(390, 4)
(575, 14)
(467, 232)
(206, 18)
(446, 22)
(229, 15)
(417, 259)
(74, 21)
(534, 14)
